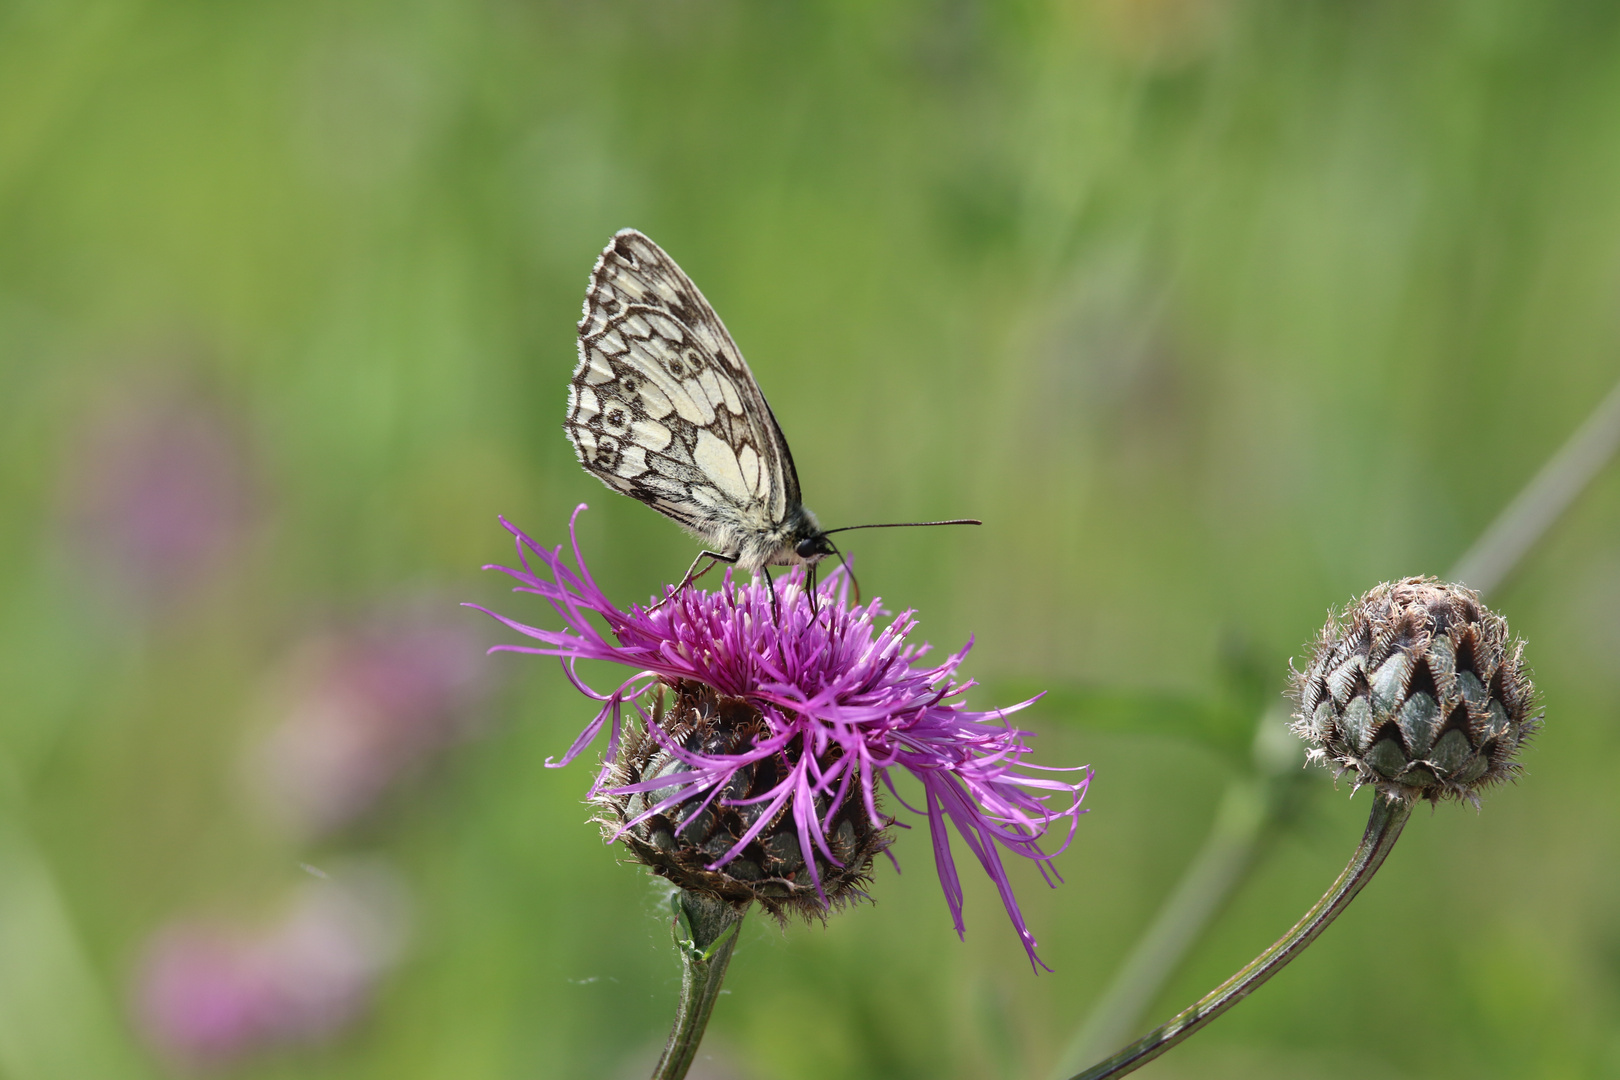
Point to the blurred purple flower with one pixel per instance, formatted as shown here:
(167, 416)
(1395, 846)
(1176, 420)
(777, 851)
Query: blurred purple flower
(157, 495)
(358, 711)
(832, 687)
(208, 994)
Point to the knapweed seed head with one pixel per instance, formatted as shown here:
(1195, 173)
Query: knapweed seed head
(1419, 690)
(758, 776)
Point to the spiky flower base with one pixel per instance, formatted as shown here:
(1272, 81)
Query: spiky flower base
(1419, 690)
(689, 841)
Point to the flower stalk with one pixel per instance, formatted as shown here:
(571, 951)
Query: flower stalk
(1383, 829)
(705, 931)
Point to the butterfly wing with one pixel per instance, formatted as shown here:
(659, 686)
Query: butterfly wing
(662, 406)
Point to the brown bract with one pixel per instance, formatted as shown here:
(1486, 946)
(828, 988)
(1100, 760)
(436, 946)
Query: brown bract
(1419, 690)
(682, 841)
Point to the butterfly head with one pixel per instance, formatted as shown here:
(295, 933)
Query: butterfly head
(805, 542)
(811, 549)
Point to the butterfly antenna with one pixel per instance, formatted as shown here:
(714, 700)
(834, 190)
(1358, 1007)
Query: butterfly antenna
(904, 525)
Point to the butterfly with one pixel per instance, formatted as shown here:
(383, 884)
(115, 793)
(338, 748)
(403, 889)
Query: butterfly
(663, 408)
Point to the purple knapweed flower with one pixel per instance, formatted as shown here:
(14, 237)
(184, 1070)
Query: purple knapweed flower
(360, 708)
(826, 702)
(210, 993)
(157, 496)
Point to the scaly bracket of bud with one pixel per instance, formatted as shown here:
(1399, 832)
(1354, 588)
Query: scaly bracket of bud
(1418, 690)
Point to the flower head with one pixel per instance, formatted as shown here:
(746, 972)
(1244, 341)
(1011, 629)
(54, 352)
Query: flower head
(358, 709)
(211, 993)
(158, 496)
(836, 703)
(1420, 690)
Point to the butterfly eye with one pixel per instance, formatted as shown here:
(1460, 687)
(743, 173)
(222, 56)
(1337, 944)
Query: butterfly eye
(810, 547)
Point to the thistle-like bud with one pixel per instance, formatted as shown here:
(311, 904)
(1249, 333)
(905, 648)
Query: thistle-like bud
(686, 841)
(1417, 688)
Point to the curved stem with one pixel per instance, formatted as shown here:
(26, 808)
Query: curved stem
(1383, 829)
(1243, 814)
(705, 934)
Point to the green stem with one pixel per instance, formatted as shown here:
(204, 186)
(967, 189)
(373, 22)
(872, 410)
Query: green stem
(705, 934)
(1383, 829)
(1543, 501)
(1243, 814)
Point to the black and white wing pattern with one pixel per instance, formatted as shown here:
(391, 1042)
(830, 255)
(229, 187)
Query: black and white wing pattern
(663, 408)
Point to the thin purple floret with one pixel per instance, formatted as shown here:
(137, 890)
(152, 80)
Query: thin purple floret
(831, 685)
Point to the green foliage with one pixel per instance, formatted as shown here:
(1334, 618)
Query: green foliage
(1217, 311)
(1223, 729)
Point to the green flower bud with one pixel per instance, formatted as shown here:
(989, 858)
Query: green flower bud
(1418, 689)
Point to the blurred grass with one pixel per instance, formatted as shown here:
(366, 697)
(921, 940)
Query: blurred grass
(1218, 312)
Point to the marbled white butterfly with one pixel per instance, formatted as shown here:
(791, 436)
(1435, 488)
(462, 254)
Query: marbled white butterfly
(663, 408)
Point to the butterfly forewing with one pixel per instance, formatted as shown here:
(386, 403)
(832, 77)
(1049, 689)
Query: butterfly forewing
(662, 406)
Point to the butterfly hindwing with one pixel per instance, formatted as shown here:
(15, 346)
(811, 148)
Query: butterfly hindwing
(662, 406)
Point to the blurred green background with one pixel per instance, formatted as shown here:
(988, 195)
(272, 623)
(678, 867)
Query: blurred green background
(1217, 311)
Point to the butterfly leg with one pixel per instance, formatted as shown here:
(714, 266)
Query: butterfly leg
(811, 575)
(715, 559)
(770, 583)
(693, 573)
